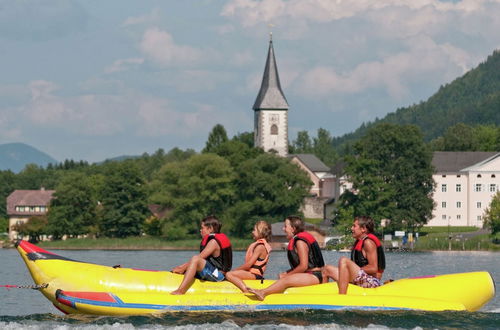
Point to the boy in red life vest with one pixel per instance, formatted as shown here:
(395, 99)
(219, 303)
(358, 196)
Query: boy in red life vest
(256, 257)
(304, 256)
(215, 257)
(367, 261)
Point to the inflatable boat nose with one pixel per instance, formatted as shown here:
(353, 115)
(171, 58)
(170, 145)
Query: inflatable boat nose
(28, 248)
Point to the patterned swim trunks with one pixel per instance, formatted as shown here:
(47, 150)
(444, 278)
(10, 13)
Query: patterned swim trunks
(366, 281)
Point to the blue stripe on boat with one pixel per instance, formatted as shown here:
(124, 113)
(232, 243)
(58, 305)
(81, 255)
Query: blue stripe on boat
(120, 304)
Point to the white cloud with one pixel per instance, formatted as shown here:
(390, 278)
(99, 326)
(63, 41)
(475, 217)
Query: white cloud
(153, 17)
(123, 65)
(395, 73)
(160, 47)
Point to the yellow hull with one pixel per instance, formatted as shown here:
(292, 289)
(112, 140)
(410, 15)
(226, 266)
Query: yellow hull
(84, 288)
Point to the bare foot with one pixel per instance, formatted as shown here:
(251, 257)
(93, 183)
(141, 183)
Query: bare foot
(177, 292)
(258, 293)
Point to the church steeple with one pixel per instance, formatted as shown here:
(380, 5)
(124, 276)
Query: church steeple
(270, 95)
(271, 110)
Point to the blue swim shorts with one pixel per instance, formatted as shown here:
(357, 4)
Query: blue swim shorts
(210, 273)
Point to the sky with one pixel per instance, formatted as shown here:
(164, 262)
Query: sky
(92, 79)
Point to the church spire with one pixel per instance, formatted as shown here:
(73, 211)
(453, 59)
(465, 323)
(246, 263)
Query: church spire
(270, 95)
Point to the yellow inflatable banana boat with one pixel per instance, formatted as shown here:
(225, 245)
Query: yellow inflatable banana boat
(85, 288)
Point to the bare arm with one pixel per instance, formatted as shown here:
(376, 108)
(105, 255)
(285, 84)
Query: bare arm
(371, 255)
(260, 251)
(303, 252)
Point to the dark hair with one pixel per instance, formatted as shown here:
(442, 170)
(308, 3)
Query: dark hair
(212, 222)
(366, 222)
(264, 229)
(296, 222)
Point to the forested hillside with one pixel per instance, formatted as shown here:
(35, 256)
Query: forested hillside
(471, 99)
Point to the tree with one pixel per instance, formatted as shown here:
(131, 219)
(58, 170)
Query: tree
(35, 227)
(123, 199)
(492, 215)
(194, 188)
(216, 137)
(245, 137)
(269, 187)
(459, 137)
(73, 207)
(303, 143)
(391, 173)
(7, 186)
(323, 147)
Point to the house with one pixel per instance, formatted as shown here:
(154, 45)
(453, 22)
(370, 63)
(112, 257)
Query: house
(322, 191)
(24, 204)
(465, 185)
(279, 240)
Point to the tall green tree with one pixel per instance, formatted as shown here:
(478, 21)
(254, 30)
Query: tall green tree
(268, 187)
(74, 205)
(303, 144)
(217, 136)
(492, 216)
(460, 137)
(323, 147)
(195, 188)
(124, 201)
(391, 173)
(7, 186)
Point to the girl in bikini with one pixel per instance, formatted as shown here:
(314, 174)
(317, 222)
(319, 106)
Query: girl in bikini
(256, 258)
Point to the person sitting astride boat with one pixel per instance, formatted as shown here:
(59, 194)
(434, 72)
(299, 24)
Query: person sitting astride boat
(215, 257)
(304, 256)
(256, 257)
(367, 259)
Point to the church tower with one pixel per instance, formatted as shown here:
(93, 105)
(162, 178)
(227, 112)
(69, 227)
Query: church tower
(271, 110)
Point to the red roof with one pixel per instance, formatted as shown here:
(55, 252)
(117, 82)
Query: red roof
(28, 198)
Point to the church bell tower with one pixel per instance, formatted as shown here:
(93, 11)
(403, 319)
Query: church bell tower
(271, 110)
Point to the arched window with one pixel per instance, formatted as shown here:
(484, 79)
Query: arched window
(479, 175)
(493, 176)
(274, 129)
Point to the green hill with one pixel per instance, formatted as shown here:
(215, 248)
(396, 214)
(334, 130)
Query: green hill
(15, 156)
(471, 99)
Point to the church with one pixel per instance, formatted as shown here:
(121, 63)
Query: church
(271, 134)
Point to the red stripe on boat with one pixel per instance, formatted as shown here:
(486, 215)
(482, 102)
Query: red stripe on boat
(96, 296)
(32, 248)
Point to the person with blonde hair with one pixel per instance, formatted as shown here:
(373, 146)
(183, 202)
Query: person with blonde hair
(256, 258)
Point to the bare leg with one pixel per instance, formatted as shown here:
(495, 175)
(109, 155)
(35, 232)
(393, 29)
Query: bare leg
(294, 280)
(237, 276)
(347, 272)
(195, 265)
(330, 271)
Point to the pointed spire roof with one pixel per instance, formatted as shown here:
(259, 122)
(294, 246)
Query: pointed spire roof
(270, 95)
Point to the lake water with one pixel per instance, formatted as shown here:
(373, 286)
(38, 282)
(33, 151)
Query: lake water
(28, 309)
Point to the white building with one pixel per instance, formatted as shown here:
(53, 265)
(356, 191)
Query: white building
(465, 184)
(271, 110)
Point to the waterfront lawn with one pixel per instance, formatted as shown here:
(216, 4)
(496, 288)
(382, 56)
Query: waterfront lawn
(134, 243)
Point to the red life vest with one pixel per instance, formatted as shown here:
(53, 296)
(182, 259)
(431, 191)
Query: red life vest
(360, 260)
(315, 257)
(259, 267)
(224, 261)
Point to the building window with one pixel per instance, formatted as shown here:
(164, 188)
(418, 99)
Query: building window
(443, 188)
(493, 176)
(444, 175)
(458, 187)
(443, 217)
(274, 130)
(459, 205)
(493, 187)
(443, 205)
(458, 175)
(479, 218)
(478, 187)
(478, 205)
(479, 176)
(459, 217)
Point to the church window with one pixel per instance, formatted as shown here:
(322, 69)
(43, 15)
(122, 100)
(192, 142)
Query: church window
(274, 130)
